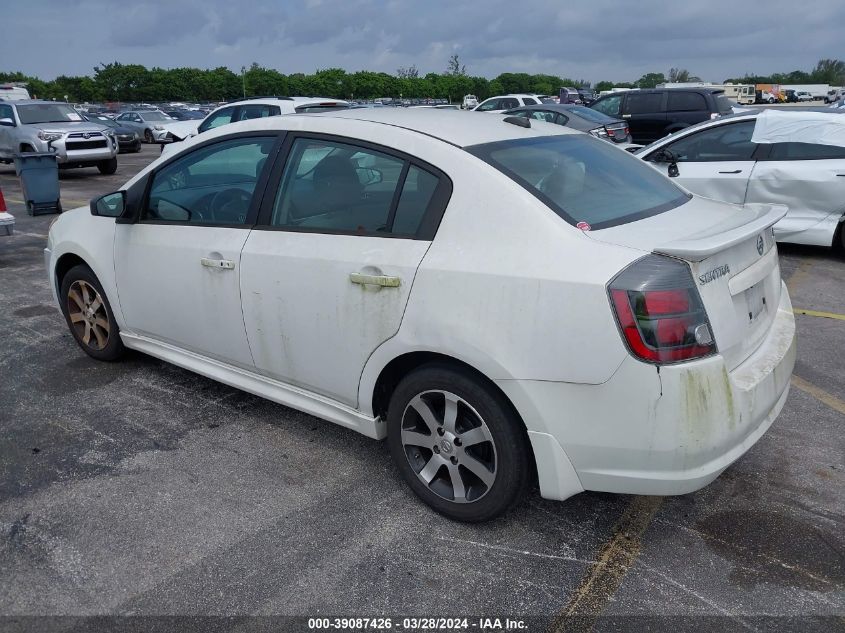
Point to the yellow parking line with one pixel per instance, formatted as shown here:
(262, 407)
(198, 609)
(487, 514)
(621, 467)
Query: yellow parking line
(819, 394)
(816, 313)
(613, 562)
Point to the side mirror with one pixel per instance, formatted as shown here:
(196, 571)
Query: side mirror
(667, 156)
(111, 205)
(7, 123)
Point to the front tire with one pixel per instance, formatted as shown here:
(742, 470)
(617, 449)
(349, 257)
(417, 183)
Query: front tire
(148, 136)
(107, 167)
(89, 315)
(458, 443)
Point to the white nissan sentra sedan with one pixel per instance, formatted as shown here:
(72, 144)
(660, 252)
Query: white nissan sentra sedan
(500, 299)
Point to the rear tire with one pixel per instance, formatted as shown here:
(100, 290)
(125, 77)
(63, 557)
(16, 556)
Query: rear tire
(107, 167)
(458, 443)
(89, 316)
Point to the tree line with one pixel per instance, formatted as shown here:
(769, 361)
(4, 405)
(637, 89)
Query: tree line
(133, 82)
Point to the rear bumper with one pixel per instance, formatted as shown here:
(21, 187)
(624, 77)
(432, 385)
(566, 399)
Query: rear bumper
(658, 433)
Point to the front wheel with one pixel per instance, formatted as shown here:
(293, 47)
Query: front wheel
(148, 136)
(107, 167)
(89, 315)
(458, 443)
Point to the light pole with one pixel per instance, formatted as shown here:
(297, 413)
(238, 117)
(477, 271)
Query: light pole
(243, 78)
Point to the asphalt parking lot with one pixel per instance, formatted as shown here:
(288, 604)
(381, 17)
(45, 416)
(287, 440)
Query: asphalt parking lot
(138, 488)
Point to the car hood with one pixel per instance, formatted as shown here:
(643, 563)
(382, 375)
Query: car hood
(68, 126)
(181, 129)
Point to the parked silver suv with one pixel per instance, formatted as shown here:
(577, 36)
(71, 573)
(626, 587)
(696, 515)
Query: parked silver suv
(44, 126)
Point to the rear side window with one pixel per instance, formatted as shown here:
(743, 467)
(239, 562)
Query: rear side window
(723, 104)
(643, 103)
(583, 179)
(686, 102)
(321, 107)
(806, 151)
(417, 194)
(509, 103)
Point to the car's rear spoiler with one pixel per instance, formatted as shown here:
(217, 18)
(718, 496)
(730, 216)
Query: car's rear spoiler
(754, 218)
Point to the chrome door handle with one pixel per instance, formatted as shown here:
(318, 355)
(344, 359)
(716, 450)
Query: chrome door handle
(626, 116)
(735, 171)
(225, 264)
(374, 280)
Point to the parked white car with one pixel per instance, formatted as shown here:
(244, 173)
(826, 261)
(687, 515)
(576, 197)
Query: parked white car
(803, 95)
(469, 102)
(799, 161)
(489, 296)
(497, 105)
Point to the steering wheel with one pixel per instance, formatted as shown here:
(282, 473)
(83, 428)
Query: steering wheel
(228, 201)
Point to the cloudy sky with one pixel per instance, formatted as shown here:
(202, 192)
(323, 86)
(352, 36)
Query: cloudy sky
(617, 40)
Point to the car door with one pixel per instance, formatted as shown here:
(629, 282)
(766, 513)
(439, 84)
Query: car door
(6, 145)
(326, 273)
(177, 267)
(810, 179)
(645, 113)
(715, 162)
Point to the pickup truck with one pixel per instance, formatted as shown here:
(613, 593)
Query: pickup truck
(47, 126)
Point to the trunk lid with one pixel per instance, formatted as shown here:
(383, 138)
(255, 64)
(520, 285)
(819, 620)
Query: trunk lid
(733, 258)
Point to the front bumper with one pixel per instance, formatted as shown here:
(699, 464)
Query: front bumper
(658, 433)
(160, 136)
(67, 155)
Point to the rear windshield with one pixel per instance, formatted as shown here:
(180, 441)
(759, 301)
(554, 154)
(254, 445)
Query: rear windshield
(47, 113)
(591, 115)
(154, 116)
(583, 179)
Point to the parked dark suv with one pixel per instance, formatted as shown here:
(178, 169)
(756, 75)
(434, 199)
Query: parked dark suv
(654, 113)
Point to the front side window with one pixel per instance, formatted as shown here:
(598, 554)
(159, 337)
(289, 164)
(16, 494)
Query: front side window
(333, 186)
(256, 111)
(221, 117)
(720, 143)
(490, 104)
(643, 103)
(806, 151)
(609, 105)
(6, 112)
(583, 179)
(211, 185)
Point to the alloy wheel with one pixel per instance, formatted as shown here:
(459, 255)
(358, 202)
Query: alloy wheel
(88, 315)
(449, 446)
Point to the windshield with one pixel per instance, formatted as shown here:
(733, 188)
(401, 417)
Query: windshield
(154, 116)
(591, 115)
(583, 179)
(47, 113)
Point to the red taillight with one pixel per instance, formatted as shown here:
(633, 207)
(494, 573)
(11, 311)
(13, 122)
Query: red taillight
(660, 312)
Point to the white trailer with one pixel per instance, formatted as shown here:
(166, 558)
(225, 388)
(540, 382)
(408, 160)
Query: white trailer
(13, 92)
(818, 91)
(741, 93)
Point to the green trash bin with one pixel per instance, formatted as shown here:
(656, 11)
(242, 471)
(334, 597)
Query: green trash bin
(39, 174)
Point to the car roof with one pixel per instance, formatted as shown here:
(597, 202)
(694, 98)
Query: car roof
(276, 100)
(452, 126)
(34, 101)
